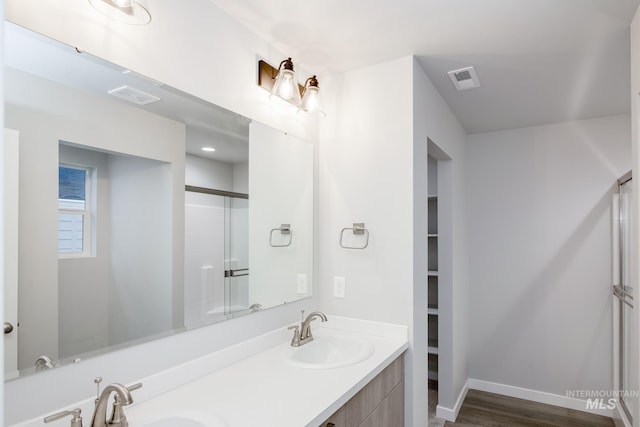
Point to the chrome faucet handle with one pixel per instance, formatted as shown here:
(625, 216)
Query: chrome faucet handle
(76, 421)
(295, 341)
(134, 387)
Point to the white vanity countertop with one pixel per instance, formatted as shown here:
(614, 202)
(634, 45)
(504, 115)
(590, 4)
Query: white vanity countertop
(265, 390)
(251, 384)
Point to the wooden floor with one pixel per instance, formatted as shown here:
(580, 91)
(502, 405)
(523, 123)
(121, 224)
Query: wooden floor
(487, 409)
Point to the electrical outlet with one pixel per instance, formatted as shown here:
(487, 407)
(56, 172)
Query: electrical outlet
(302, 286)
(338, 286)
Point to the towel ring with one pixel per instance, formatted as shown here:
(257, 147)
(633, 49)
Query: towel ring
(284, 229)
(358, 229)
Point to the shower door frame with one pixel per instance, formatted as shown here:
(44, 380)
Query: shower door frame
(623, 299)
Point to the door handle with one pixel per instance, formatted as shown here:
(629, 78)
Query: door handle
(622, 294)
(236, 273)
(8, 328)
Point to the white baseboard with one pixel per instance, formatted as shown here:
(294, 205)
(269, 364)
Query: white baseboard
(536, 396)
(450, 414)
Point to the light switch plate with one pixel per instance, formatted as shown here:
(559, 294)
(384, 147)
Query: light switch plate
(338, 286)
(302, 284)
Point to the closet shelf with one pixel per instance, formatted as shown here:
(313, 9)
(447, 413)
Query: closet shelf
(434, 235)
(432, 311)
(432, 273)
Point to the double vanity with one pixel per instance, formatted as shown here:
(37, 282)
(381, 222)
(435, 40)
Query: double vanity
(268, 382)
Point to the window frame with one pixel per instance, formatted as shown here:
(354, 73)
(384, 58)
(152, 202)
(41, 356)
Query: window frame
(87, 213)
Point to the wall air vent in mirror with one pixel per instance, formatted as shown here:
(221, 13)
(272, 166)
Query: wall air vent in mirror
(464, 78)
(131, 94)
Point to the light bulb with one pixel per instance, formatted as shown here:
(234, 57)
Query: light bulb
(311, 100)
(286, 90)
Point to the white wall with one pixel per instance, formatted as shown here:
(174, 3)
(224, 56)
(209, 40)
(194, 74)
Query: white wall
(241, 177)
(281, 192)
(162, 51)
(143, 298)
(539, 209)
(373, 169)
(208, 173)
(635, 161)
(434, 121)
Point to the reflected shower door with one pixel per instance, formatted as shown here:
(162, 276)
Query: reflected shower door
(216, 255)
(237, 255)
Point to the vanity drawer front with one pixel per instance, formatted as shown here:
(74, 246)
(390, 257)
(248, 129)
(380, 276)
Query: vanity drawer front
(390, 412)
(367, 399)
(379, 403)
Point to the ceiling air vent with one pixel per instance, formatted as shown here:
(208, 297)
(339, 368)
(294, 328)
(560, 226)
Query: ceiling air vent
(464, 78)
(134, 95)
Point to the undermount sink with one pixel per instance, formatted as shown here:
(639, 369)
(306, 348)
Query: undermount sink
(329, 350)
(187, 421)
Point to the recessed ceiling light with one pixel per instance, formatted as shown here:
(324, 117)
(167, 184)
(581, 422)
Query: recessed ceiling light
(208, 149)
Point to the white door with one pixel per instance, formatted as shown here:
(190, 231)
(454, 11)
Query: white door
(9, 251)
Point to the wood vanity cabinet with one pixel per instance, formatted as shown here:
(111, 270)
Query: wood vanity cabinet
(379, 404)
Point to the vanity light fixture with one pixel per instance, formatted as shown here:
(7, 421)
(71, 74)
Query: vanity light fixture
(208, 149)
(281, 82)
(311, 99)
(126, 11)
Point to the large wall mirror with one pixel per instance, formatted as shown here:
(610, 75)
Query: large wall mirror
(142, 211)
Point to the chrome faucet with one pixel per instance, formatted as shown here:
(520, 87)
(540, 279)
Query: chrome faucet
(43, 362)
(302, 334)
(122, 398)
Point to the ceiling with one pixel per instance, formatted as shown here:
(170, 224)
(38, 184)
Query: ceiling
(538, 61)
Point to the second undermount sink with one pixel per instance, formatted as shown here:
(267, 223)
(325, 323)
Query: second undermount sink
(329, 350)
